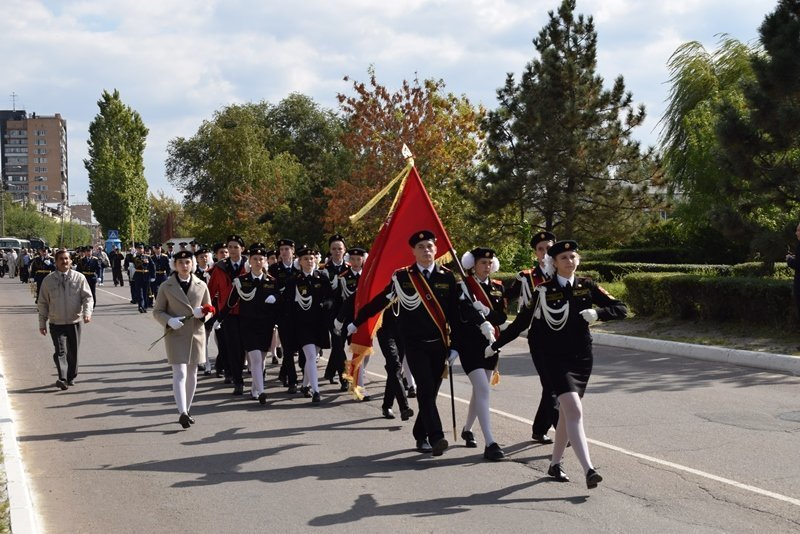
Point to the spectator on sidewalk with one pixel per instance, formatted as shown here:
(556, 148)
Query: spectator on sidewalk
(64, 300)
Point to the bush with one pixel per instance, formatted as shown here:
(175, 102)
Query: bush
(609, 271)
(710, 298)
(639, 255)
(760, 269)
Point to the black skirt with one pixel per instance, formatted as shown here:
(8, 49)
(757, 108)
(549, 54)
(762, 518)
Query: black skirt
(568, 372)
(256, 333)
(472, 359)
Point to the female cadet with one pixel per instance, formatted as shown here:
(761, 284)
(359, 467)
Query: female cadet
(256, 292)
(183, 295)
(491, 303)
(307, 296)
(559, 316)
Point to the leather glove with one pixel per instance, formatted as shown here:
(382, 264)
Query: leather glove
(270, 299)
(589, 315)
(351, 329)
(488, 352)
(482, 308)
(451, 358)
(337, 327)
(175, 322)
(198, 312)
(488, 331)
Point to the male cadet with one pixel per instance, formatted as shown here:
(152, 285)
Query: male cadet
(335, 266)
(183, 246)
(221, 284)
(283, 270)
(220, 251)
(547, 412)
(170, 249)
(41, 266)
(428, 305)
(88, 265)
(162, 270)
(143, 273)
(129, 266)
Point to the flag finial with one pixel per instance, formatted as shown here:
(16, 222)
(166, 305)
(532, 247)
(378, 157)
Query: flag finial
(407, 154)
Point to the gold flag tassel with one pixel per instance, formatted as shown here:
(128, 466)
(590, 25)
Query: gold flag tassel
(401, 176)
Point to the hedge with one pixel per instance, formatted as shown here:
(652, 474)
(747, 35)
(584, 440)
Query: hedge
(609, 271)
(761, 269)
(639, 255)
(744, 300)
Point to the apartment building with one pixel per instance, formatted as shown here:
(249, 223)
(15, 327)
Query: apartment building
(33, 156)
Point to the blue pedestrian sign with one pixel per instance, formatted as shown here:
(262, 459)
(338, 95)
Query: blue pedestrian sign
(113, 234)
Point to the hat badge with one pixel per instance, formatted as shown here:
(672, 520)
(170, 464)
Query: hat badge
(566, 245)
(421, 235)
(488, 254)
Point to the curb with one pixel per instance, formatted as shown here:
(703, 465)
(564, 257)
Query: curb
(22, 515)
(747, 358)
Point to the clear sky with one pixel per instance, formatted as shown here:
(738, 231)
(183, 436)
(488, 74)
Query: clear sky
(177, 61)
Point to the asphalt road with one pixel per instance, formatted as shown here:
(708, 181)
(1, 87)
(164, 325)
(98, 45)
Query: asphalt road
(683, 446)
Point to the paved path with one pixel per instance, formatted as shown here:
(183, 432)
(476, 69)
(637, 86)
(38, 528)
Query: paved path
(684, 445)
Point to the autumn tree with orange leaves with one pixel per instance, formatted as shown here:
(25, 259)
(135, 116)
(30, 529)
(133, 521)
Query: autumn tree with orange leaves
(441, 129)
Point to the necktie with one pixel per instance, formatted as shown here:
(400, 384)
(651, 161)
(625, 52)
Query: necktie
(425, 273)
(568, 286)
(236, 267)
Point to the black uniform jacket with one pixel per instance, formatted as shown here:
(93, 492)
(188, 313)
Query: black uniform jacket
(575, 334)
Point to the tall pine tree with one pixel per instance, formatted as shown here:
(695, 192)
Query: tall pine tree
(117, 186)
(558, 146)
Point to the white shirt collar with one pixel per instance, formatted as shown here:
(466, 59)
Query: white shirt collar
(429, 269)
(563, 281)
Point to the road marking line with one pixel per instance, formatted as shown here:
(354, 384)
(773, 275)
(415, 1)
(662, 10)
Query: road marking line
(113, 294)
(666, 463)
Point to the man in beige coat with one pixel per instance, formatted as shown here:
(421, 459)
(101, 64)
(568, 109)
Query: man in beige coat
(179, 309)
(64, 299)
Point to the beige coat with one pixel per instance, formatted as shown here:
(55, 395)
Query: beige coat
(188, 343)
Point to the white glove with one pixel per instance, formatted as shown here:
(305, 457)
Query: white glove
(482, 308)
(351, 329)
(451, 358)
(217, 325)
(488, 331)
(589, 315)
(337, 327)
(488, 352)
(152, 279)
(198, 312)
(175, 322)
(270, 299)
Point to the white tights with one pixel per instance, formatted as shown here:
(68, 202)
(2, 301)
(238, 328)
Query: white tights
(479, 403)
(570, 427)
(184, 385)
(310, 370)
(255, 359)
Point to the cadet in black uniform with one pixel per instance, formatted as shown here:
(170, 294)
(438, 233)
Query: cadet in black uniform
(257, 294)
(335, 266)
(491, 303)
(145, 271)
(41, 266)
(307, 298)
(162, 269)
(88, 265)
(428, 302)
(559, 317)
(283, 270)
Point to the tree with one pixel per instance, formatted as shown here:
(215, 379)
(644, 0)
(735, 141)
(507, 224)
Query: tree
(760, 141)
(167, 218)
(259, 170)
(117, 186)
(559, 147)
(441, 129)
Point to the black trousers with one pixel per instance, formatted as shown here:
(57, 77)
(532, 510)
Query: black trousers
(66, 339)
(392, 349)
(233, 348)
(116, 273)
(547, 412)
(426, 359)
(221, 363)
(288, 372)
(337, 358)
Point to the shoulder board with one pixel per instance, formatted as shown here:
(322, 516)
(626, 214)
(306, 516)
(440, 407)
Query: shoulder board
(444, 269)
(497, 283)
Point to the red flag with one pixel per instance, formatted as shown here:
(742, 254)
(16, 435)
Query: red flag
(413, 212)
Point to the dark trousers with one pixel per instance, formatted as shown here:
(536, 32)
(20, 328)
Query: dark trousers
(392, 350)
(288, 372)
(426, 360)
(233, 348)
(547, 412)
(116, 273)
(93, 288)
(337, 358)
(141, 286)
(66, 339)
(221, 363)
